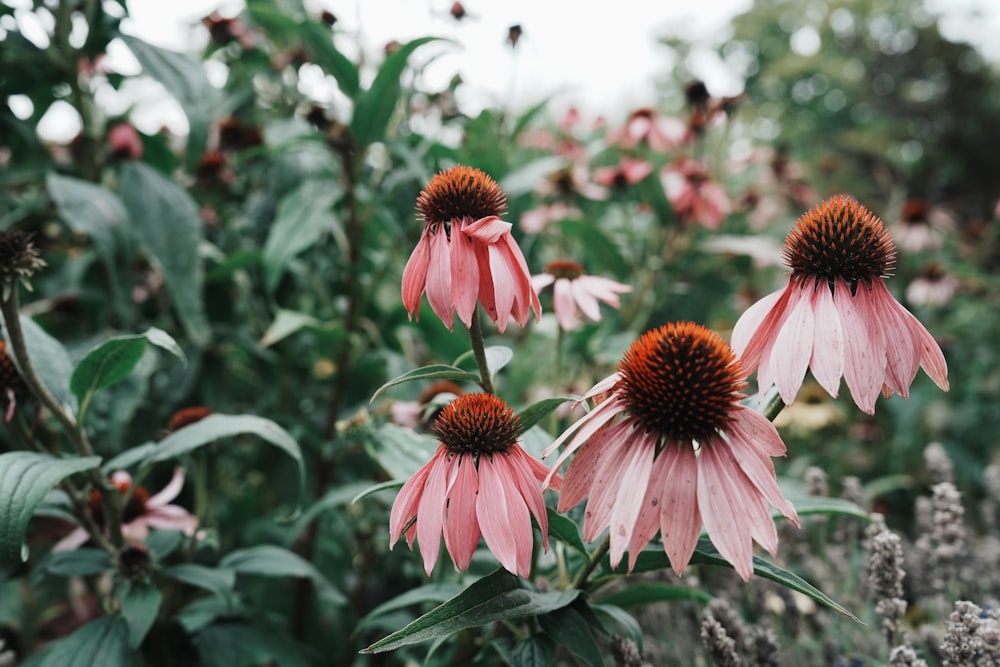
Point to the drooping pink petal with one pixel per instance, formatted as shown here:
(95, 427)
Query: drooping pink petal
(503, 519)
(864, 345)
(580, 474)
(931, 357)
(74, 540)
(464, 274)
(587, 426)
(758, 468)
(404, 507)
(607, 484)
(542, 280)
(563, 304)
(439, 277)
(604, 289)
(488, 230)
(827, 361)
(523, 276)
(758, 430)
(902, 352)
(461, 529)
(587, 302)
(636, 468)
(486, 296)
(169, 492)
(430, 511)
(541, 473)
(756, 325)
(723, 505)
(503, 286)
(415, 275)
(680, 515)
(648, 521)
(519, 462)
(794, 341)
(172, 517)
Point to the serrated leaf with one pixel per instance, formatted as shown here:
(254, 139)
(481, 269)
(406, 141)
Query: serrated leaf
(167, 223)
(218, 426)
(496, 597)
(432, 372)
(102, 642)
(570, 629)
(565, 530)
(140, 606)
(647, 592)
(25, 479)
(536, 412)
(50, 360)
(373, 107)
(107, 364)
(285, 323)
(219, 581)
(273, 561)
(302, 216)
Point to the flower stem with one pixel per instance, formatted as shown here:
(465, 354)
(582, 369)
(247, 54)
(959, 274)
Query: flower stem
(595, 557)
(479, 351)
(557, 377)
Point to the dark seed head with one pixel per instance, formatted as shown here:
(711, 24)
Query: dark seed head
(479, 424)
(460, 192)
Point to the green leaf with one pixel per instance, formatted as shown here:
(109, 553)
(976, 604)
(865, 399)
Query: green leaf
(248, 645)
(437, 593)
(535, 651)
(564, 529)
(218, 426)
(319, 40)
(570, 629)
(401, 451)
(109, 363)
(81, 562)
(302, 217)
(373, 107)
(140, 606)
(807, 505)
(372, 490)
(432, 372)
(285, 323)
(25, 479)
(169, 227)
(497, 356)
(496, 597)
(646, 592)
(165, 341)
(624, 620)
(219, 581)
(536, 412)
(102, 642)
(337, 496)
(269, 560)
(185, 79)
(50, 360)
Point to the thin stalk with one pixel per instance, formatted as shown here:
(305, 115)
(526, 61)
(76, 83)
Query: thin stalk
(479, 351)
(557, 378)
(595, 558)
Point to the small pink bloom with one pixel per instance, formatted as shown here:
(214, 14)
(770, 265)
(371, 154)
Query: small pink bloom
(124, 142)
(140, 514)
(627, 172)
(480, 482)
(835, 315)
(537, 219)
(933, 287)
(645, 126)
(921, 226)
(466, 254)
(694, 196)
(671, 449)
(573, 291)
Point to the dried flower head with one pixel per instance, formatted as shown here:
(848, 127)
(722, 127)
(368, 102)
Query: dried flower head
(19, 259)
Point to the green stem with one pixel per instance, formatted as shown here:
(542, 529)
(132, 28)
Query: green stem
(557, 378)
(595, 558)
(479, 351)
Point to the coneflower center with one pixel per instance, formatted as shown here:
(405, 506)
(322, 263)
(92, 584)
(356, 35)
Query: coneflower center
(135, 508)
(839, 239)
(460, 192)
(680, 381)
(479, 424)
(564, 268)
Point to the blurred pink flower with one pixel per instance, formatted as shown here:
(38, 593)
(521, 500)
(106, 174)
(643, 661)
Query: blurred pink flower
(480, 482)
(835, 316)
(573, 290)
(535, 220)
(694, 196)
(921, 226)
(140, 514)
(645, 126)
(466, 253)
(684, 453)
(124, 142)
(627, 172)
(933, 287)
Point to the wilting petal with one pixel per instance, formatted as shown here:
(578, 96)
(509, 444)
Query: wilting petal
(637, 464)
(607, 483)
(794, 343)
(648, 521)
(415, 275)
(931, 357)
(581, 431)
(680, 516)
(603, 289)
(404, 508)
(757, 467)
(523, 277)
(169, 492)
(430, 511)
(171, 517)
(503, 518)
(486, 282)
(827, 362)
(488, 230)
(723, 501)
(439, 277)
(563, 304)
(519, 469)
(864, 346)
(461, 529)
(902, 351)
(756, 325)
(464, 275)
(503, 286)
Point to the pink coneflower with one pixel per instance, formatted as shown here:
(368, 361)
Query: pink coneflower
(574, 291)
(627, 172)
(835, 316)
(479, 482)
(142, 512)
(537, 219)
(466, 253)
(683, 453)
(933, 287)
(921, 226)
(645, 126)
(694, 196)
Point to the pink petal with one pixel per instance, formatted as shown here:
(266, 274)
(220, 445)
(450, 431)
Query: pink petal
(580, 474)
(169, 492)
(503, 518)
(864, 346)
(794, 341)
(604, 289)
(404, 507)
(464, 275)
(637, 464)
(587, 302)
(415, 275)
(680, 516)
(827, 362)
(607, 483)
(902, 351)
(541, 473)
(74, 540)
(758, 468)
(503, 286)
(488, 230)
(758, 431)
(564, 305)
(541, 281)
(439, 277)
(523, 276)
(585, 428)
(931, 357)
(648, 521)
(723, 499)
(756, 325)
(520, 463)
(430, 511)
(172, 517)
(461, 530)
(486, 281)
